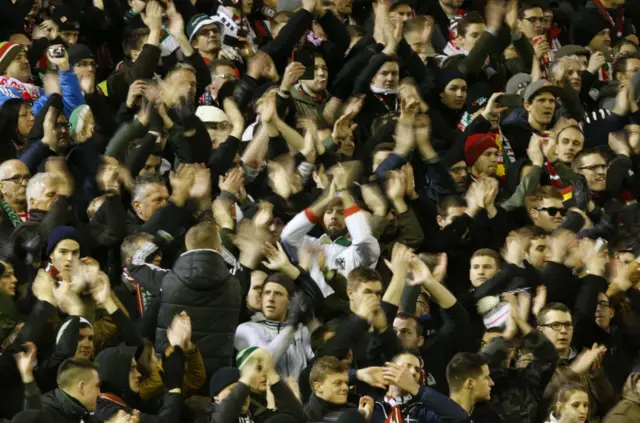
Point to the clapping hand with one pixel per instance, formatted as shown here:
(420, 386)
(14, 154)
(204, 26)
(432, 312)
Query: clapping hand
(25, 361)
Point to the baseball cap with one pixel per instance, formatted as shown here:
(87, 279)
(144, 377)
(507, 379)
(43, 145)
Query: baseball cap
(196, 22)
(539, 87)
(211, 114)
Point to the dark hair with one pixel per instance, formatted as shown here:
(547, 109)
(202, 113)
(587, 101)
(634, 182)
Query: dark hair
(621, 43)
(408, 316)
(577, 160)
(449, 201)
(464, 366)
(362, 274)
(220, 62)
(9, 116)
(468, 19)
(549, 308)
(71, 370)
(621, 63)
(565, 393)
(488, 252)
(130, 246)
(531, 4)
(134, 39)
(317, 336)
(324, 367)
(534, 199)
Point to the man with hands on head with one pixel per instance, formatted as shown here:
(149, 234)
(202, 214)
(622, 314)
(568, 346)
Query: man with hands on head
(231, 391)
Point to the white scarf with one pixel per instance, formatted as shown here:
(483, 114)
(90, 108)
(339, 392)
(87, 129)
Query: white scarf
(383, 91)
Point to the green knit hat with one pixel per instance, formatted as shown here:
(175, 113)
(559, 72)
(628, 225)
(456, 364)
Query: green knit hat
(243, 356)
(77, 119)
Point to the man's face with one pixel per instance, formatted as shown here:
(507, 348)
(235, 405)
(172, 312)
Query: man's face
(570, 142)
(601, 42)
(549, 214)
(226, 392)
(156, 198)
(594, 169)
(482, 269)
(69, 37)
(407, 332)
(89, 391)
(401, 13)
(604, 311)
(538, 253)
(364, 291)
(561, 335)
(13, 185)
(452, 213)
(541, 108)
(45, 196)
(65, 256)
(417, 43)
(412, 363)
(387, 77)
(460, 176)
(254, 296)
(247, 7)
(207, 40)
(572, 72)
(275, 301)
(455, 94)
(85, 347)
(482, 386)
(218, 132)
(343, 7)
(632, 67)
(333, 220)
(62, 131)
(223, 74)
(152, 165)
(487, 163)
(86, 68)
(334, 388)
(134, 376)
(8, 281)
(454, 4)
(471, 36)
(183, 85)
(318, 84)
(19, 68)
(531, 23)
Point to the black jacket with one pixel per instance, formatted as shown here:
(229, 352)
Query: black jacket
(64, 409)
(201, 285)
(318, 410)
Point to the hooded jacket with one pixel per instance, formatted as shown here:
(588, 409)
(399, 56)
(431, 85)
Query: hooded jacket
(64, 409)
(116, 394)
(628, 409)
(201, 285)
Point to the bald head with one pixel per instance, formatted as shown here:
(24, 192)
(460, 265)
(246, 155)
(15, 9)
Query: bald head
(14, 176)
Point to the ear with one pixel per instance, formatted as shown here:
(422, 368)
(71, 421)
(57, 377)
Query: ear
(317, 387)
(612, 311)
(469, 384)
(216, 399)
(527, 106)
(420, 341)
(534, 214)
(349, 293)
(136, 205)
(440, 221)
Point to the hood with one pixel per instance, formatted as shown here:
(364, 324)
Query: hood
(114, 364)
(630, 389)
(518, 118)
(258, 317)
(201, 269)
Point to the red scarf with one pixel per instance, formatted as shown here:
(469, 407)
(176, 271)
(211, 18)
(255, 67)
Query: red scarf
(115, 399)
(618, 23)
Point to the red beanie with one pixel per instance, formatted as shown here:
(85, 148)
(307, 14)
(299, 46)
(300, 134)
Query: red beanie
(477, 144)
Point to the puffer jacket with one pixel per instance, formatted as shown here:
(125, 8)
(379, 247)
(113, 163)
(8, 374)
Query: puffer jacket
(201, 285)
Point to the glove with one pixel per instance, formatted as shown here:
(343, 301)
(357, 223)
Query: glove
(300, 310)
(173, 369)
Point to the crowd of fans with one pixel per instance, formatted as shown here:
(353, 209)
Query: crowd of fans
(288, 211)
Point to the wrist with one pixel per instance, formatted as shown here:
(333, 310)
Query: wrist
(179, 197)
(400, 205)
(28, 378)
(110, 306)
(291, 271)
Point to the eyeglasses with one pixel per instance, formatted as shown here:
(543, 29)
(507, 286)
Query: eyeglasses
(62, 126)
(226, 76)
(18, 179)
(603, 304)
(534, 20)
(553, 211)
(557, 326)
(595, 167)
(87, 64)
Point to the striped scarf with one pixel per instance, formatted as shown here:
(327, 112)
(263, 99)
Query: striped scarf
(13, 217)
(396, 403)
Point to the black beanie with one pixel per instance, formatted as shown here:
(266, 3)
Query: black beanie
(79, 52)
(222, 378)
(585, 27)
(445, 76)
(284, 280)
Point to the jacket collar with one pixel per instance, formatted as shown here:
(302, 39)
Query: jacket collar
(70, 405)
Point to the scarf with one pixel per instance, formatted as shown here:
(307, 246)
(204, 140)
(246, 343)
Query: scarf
(314, 39)
(13, 217)
(396, 403)
(453, 23)
(142, 295)
(383, 91)
(618, 23)
(27, 91)
(553, 175)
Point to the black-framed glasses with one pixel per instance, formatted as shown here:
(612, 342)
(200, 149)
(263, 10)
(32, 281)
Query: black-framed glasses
(534, 20)
(18, 179)
(62, 126)
(553, 211)
(557, 326)
(595, 167)
(604, 304)
(87, 64)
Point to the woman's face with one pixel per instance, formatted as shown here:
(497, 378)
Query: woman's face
(8, 281)
(25, 120)
(576, 409)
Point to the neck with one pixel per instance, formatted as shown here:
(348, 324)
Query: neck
(211, 55)
(19, 207)
(394, 391)
(448, 10)
(535, 124)
(564, 353)
(307, 90)
(464, 400)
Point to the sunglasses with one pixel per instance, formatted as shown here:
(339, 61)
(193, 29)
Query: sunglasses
(553, 211)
